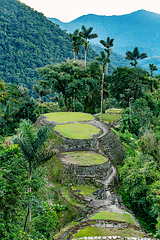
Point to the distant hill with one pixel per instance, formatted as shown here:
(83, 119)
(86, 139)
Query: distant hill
(28, 40)
(140, 28)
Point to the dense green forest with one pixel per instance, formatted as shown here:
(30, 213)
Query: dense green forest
(29, 41)
(68, 85)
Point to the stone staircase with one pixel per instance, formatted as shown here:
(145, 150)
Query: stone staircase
(106, 143)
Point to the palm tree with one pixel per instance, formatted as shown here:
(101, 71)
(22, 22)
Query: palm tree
(102, 58)
(76, 42)
(134, 56)
(34, 151)
(152, 68)
(86, 34)
(107, 44)
(41, 90)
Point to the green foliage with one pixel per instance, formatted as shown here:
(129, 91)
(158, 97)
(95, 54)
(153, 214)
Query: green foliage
(134, 56)
(75, 83)
(46, 221)
(128, 84)
(46, 107)
(35, 151)
(24, 48)
(136, 118)
(86, 35)
(140, 176)
(139, 173)
(32, 144)
(13, 184)
(16, 105)
(29, 41)
(152, 68)
(149, 143)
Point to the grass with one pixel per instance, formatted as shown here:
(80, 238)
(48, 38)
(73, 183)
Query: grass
(109, 117)
(114, 110)
(77, 130)
(84, 158)
(66, 194)
(72, 224)
(114, 216)
(98, 231)
(86, 190)
(63, 117)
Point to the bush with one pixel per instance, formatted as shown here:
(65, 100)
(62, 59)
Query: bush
(78, 107)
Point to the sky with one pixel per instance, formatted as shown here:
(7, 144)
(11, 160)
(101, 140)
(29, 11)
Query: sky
(68, 10)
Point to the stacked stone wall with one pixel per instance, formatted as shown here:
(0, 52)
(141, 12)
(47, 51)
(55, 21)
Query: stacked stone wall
(87, 174)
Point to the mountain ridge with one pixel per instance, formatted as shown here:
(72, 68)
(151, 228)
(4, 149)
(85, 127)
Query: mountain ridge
(140, 28)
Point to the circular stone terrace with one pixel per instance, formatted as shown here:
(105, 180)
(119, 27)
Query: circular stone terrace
(84, 158)
(75, 125)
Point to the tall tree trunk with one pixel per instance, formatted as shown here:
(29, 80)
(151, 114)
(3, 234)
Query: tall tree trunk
(83, 104)
(74, 103)
(102, 95)
(77, 55)
(74, 55)
(85, 60)
(107, 68)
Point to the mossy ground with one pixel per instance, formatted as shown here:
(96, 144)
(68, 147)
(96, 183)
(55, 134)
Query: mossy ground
(98, 231)
(67, 195)
(85, 190)
(63, 117)
(77, 130)
(126, 217)
(84, 158)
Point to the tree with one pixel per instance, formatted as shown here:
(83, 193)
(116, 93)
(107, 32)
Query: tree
(134, 56)
(107, 44)
(75, 82)
(86, 34)
(42, 90)
(35, 151)
(76, 42)
(152, 68)
(104, 60)
(128, 83)
(137, 118)
(13, 176)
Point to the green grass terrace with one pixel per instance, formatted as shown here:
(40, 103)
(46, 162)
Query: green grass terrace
(66, 117)
(109, 117)
(83, 158)
(126, 217)
(77, 130)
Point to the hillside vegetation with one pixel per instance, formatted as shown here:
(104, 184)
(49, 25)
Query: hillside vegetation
(29, 41)
(44, 185)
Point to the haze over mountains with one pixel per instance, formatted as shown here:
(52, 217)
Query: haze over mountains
(140, 28)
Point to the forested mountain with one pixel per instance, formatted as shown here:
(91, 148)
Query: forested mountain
(29, 41)
(140, 28)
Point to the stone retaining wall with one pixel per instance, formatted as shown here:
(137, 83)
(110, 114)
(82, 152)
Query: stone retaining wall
(87, 174)
(100, 223)
(110, 144)
(108, 141)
